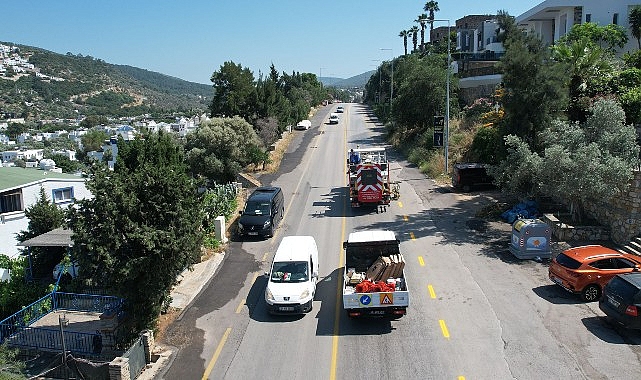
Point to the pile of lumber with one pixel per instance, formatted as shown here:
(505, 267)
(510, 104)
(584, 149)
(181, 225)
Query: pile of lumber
(386, 267)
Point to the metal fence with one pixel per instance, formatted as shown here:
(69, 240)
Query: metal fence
(137, 358)
(16, 329)
(87, 302)
(77, 343)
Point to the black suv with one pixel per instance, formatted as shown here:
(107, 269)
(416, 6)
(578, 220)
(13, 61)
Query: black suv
(469, 175)
(263, 211)
(621, 300)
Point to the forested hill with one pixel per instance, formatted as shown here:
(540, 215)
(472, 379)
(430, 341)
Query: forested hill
(46, 85)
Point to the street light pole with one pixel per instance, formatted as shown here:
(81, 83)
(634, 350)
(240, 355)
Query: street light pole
(380, 79)
(320, 75)
(446, 138)
(391, 83)
(63, 321)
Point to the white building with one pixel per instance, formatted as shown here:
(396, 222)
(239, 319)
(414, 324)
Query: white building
(25, 155)
(552, 19)
(20, 189)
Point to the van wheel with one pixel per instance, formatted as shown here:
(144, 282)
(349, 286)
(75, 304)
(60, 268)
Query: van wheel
(591, 293)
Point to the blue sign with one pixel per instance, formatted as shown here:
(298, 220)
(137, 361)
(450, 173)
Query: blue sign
(365, 299)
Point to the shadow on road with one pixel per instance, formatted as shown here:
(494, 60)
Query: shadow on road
(610, 332)
(557, 295)
(330, 295)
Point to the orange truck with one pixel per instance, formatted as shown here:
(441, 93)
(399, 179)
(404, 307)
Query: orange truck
(368, 178)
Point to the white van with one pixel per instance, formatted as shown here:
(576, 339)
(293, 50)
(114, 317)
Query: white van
(292, 279)
(303, 125)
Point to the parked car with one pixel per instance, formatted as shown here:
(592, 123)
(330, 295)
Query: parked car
(621, 300)
(263, 211)
(340, 109)
(303, 125)
(333, 118)
(586, 270)
(466, 176)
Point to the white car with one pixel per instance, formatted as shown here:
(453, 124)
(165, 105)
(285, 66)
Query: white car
(333, 118)
(303, 125)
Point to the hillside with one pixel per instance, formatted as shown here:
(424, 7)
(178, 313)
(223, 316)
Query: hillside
(48, 85)
(356, 81)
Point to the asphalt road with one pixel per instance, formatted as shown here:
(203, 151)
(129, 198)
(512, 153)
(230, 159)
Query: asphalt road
(476, 312)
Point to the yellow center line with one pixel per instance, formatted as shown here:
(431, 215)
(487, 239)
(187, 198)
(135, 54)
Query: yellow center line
(420, 261)
(339, 287)
(265, 256)
(219, 349)
(412, 236)
(431, 290)
(446, 333)
(405, 218)
(460, 378)
(244, 300)
(240, 305)
(400, 204)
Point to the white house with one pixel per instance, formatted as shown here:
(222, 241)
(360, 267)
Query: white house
(20, 189)
(552, 19)
(26, 155)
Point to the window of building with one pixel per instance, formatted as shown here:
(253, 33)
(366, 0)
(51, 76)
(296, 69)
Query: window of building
(10, 202)
(63, 195)
(588, 17)
(615, 19)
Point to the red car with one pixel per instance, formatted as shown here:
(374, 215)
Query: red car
(586, 270)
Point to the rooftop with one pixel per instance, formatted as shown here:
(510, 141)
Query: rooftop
(12, 177)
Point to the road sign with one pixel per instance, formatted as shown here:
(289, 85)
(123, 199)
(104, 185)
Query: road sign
(439, 125)
(438, 138)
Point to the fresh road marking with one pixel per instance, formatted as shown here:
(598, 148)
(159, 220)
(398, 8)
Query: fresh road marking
(400, 204)
(420, 261)
(446, 333)
(412, 236)
(338, 307)
(240, 305)
(460, 378)
(244, 300)
(431, 290)
(222, 342)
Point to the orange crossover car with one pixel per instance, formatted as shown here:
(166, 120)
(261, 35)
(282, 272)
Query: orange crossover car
(586, 270)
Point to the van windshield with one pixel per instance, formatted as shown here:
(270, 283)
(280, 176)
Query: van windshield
(290, 271)
(257, 208)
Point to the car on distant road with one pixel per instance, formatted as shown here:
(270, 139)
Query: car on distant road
(340, 109)
(587, 269)
(621, 300)
(303, 125)
(333, 118)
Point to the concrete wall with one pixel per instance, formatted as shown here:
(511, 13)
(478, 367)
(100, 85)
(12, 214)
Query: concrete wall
(622, 213)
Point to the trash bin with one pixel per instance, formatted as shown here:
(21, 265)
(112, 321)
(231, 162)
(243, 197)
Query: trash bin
(531, 239)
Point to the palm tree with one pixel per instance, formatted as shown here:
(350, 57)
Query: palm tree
(634, 19)
(431, 7)
(422, 20)
(404, 34)
(586, 63)
(414, 31)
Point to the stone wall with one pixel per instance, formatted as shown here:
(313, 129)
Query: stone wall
(622, 213)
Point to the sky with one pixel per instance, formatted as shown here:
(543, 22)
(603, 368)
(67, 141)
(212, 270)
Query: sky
(191, 39)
